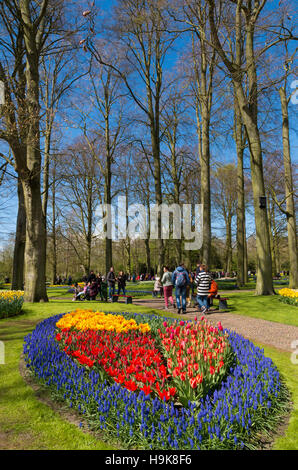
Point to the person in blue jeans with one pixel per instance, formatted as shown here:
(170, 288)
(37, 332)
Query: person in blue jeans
(111, 280)
(121, 282)
(203, 282)
(180, 280)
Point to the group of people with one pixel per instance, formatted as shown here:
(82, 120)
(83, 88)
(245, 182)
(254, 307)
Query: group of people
(63, 280)
(99, 285)
(184, 283)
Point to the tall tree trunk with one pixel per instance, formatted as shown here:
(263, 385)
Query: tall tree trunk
(264, 285)
(272, 241)
(35, 250)
(245, 259)
(205, 187)
(289, 193)
(241, 235)
(148, 254)
(46, 164)
(158, 191)
(249, 113)
(20, 240)
(54, 233)
(175, 178)
(108, 238)
(89, 221)
(107, 187)
(228, 245)
(203, 110)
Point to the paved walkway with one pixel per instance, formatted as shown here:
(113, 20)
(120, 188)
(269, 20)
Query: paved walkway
(265, 332)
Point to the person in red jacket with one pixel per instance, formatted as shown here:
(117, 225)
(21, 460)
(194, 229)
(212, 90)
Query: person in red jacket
(212, 292)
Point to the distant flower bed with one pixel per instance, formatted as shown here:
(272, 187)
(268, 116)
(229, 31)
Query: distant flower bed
(129, 383)
(139, 292)
(57, 286)
(288, 296)
(11, 302)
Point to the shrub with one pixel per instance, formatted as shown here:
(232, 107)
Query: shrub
(11, 302)
(288, 296)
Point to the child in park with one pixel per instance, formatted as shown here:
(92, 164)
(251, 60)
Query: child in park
(157, 289)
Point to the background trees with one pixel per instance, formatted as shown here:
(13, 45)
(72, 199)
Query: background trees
(161, 102)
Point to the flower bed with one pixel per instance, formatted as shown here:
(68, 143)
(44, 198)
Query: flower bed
(288, 296)
(249, 398)
(11, 302)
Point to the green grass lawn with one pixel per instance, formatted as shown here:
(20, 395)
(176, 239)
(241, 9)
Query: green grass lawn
(26, 423)
(264, 307)
(289, 372)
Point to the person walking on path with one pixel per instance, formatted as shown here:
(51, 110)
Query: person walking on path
(111, 279)
(121, 279)
(180, 280)
(203, 282)
(167, 287)
(188, 289)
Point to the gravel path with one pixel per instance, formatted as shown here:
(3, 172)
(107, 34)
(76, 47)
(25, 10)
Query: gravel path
(265, 332)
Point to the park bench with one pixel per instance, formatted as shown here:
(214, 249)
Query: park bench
(223, 304)
(222, 301)
(128, 298)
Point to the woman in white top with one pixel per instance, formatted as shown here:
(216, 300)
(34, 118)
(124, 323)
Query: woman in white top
(167, 288)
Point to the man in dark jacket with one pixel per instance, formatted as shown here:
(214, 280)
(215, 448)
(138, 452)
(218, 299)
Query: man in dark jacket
(180, 280)
(111, 279)
(91, 277)
(121, 282)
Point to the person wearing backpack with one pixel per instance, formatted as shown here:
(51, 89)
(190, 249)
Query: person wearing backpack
(180, 280)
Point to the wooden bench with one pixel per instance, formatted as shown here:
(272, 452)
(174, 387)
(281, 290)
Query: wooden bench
(222, 303)
(128, 298)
